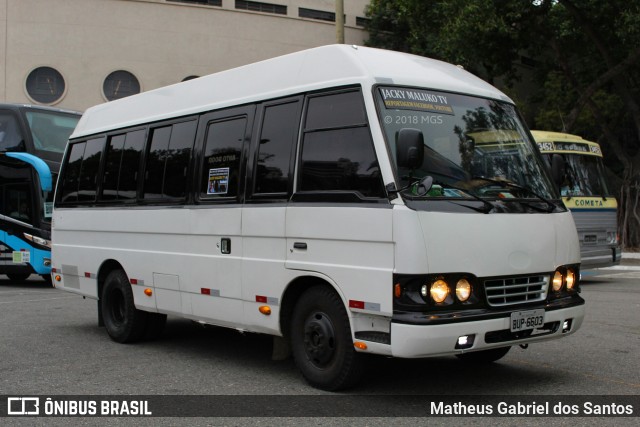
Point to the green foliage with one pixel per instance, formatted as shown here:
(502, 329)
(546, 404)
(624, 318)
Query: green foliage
(573, 85)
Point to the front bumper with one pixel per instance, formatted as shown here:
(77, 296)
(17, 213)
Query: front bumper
(426, 340)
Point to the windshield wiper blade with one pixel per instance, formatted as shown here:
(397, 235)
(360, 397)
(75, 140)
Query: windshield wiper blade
(427, 183)
(508, 184)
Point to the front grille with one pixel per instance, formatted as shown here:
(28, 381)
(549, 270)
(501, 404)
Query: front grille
(516, 290)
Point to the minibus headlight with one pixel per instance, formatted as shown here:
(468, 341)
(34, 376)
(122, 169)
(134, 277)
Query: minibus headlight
(439, 291)
(556, 284)
(463, 290)
(571, 279)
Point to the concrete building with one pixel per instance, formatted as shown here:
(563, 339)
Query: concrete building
(77, 53)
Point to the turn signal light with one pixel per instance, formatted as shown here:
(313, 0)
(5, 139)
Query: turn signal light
(360, 345)
(148, 292)
(265, 309)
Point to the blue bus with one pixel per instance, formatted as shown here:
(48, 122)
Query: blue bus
(32, 142)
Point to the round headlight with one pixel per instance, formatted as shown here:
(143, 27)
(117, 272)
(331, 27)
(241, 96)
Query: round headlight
(557, 281)
(439, 290)
(571, 279)
(463, 290)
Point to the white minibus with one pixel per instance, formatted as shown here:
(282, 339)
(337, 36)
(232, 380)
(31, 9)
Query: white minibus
(343, 199)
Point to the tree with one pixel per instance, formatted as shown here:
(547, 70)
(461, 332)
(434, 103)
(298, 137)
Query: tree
(586, 75)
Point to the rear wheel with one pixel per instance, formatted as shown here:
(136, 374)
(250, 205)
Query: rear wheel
(484, 356)
(123, 321)
(321, 341)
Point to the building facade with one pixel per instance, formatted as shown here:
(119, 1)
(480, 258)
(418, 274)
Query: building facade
(77, 53)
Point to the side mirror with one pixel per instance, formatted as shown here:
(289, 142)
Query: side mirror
(409, 148)
(557, 169)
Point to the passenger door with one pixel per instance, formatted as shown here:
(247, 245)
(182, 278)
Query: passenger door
(215, 283)
(269, 186)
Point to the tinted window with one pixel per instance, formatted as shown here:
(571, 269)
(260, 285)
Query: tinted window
(178, 156)
(223, 152)
(88, 182)
(337, 151)
(11, 138)
(334, 111)
(113, 159)
(128, 180)
(168, 161)
(277, 139)
(69, 190)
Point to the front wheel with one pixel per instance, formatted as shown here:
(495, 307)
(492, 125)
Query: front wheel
(484, 356)
(321, 341)
(123, 321)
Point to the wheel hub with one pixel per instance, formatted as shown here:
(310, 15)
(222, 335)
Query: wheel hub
(319, 339)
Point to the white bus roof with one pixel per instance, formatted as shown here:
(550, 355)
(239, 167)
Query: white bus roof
(322, 67)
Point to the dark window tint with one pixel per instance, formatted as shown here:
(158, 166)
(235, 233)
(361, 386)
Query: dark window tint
(69, 191)
(277, 138)
(11, 138)
(168, 161)
(113, 159)
(130, 166)
(337, 151)
(223, 152)
(88, 182)
(15, 202)
(178, 156)
(333, 111)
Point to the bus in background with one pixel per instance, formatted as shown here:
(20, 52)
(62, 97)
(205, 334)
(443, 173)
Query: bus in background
(32, 141)
(344, 210)
(579, 173)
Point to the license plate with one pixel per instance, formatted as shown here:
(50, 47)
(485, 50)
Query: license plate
(525, 320)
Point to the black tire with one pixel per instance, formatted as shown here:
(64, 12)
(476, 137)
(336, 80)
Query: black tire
(321, 341)
(47, 279)
(155, 325)
(123, 321)
(18, 277)
(484, 356)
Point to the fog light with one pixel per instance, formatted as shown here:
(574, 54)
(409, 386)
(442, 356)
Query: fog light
(465, 341)
(566, 326)
(439, 291)
(463, 290)
(557, 281)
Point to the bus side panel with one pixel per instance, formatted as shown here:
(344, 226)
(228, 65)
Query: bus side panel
(263, 272)
(352, 246)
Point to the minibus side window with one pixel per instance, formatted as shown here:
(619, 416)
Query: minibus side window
(280, 126)
(337, 149)
(222, 156)
(168, 161)
(88, 180)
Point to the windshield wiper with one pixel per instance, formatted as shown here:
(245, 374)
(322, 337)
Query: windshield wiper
(508, 184)
(427, 182)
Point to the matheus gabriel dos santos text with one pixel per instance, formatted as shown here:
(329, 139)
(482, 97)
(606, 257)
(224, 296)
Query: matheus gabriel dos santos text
(532, 408)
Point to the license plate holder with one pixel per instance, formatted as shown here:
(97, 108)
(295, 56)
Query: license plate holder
(526, 320)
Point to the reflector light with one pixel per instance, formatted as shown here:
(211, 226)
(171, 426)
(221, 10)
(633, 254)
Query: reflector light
(397, 290)
(148, 292)
(58, 278)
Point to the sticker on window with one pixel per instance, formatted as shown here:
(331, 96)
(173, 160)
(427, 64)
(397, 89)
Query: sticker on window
(218, 181)
(414, 99)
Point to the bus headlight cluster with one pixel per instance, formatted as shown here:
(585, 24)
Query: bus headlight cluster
(564, 279)
(38, 240)
(441, 292)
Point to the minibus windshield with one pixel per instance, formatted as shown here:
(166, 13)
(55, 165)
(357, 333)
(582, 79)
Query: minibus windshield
(472, 147)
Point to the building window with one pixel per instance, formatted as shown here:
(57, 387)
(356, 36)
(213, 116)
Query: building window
(204, 2)
(362, 22)
(45, 85)
(120, 84)
(316, 14)
(255, 6)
